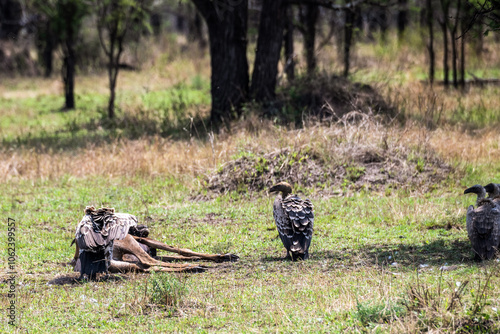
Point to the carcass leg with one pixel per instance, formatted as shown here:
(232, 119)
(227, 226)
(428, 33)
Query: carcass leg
(187, 252)
(130, 246)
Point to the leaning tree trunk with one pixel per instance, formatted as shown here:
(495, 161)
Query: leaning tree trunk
(112, 76)
(272, 22)
(227, 28)
(115, 52)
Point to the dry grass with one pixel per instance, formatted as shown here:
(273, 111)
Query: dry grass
(162, 156)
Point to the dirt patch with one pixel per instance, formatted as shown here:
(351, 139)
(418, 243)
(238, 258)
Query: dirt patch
(359, 167)
(213, 218)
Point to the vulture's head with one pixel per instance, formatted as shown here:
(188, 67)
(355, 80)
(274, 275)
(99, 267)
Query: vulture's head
(283, 187)
(492, 189)
(478, 190)
(89, 210)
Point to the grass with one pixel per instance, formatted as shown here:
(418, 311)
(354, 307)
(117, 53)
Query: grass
(370, 248)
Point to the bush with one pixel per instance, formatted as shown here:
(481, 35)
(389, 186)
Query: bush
(165, 289)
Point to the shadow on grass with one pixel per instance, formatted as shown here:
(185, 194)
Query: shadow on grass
(73, 279)
(436, 253)
(102, 131)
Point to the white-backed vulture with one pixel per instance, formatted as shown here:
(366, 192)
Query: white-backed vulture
(95, 236)
(483, 224)
(493, 190)
(294, 219)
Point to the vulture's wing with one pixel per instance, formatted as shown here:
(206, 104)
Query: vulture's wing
(115, 226)
(300, 213)
(301, 217)
(470, 222)
(483, 229)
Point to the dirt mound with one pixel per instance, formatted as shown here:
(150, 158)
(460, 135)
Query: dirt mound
(358, 166)
(327, 97)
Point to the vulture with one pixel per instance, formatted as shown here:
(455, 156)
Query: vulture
(294, 219)
(493, 190)
(483, 224)
(95, 235)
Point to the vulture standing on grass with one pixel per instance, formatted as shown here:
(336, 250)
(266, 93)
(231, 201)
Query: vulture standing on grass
(95, 235)
(483, 224)
(294, 219)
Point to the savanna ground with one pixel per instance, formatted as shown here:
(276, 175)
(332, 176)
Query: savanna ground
(390, 251)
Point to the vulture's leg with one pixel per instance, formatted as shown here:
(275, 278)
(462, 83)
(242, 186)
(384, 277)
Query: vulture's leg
(129, 246)
(187, 252)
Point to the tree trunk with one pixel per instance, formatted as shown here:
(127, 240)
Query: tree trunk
(227, 27)
(48, 49)
(402, 18)
(113, 69)
(112, 87)
(463, 27)
(432, 56)
(446, 69)
(348, 29)
(69, 79)
(272, 22)
(444, 27)
(289, 61)
(454, 51)
(454, 56)
(69, 65)
(309, 32)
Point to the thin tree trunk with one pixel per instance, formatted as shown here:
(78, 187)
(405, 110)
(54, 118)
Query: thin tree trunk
(444, 27)
(227, 28)
(454, 51)
(454, 56)
(69, 79)
(272, 22)
(446, 69)
(114, 68)
(289, 61)
(69, 66)
(462, 62)
(111, 102)
(348, 29)
(432, 56)
(462, 50)
(311, 16)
